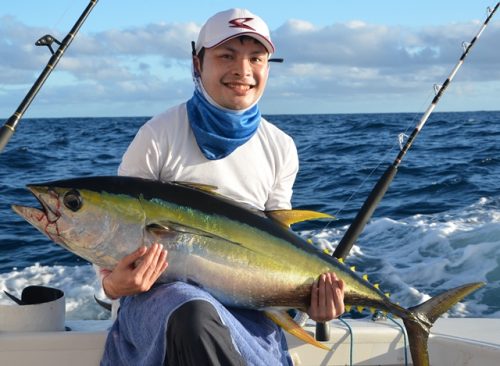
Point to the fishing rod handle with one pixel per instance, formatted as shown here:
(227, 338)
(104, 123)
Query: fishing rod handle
(8, 129)
(322, 331)
(5, 134)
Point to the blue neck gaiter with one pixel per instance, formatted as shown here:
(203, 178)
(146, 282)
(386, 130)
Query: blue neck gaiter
(219, 132)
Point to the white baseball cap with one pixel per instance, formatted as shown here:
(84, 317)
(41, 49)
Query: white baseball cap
(230, 24)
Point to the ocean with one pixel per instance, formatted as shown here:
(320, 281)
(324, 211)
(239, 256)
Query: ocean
(437, 227)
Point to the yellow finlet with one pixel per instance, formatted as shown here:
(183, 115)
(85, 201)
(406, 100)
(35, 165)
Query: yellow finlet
(348, 308)
(310, 241)
(365, 277)
(377, 286)
(353, 268)
(284, 320)
(341, 260)
(289, 217)
(360, 308)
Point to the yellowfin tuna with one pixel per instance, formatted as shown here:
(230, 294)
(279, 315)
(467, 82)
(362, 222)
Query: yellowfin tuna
(244, 258)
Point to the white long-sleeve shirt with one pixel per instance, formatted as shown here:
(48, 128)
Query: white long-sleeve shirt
(259, 173)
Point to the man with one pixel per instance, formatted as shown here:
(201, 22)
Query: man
(217, 138)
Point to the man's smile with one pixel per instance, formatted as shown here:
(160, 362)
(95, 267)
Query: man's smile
(239, 88)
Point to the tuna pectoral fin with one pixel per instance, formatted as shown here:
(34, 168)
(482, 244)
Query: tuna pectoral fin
(285, 321)
(420, 319)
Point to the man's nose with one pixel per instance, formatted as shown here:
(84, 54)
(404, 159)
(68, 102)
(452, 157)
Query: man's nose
(242, 67)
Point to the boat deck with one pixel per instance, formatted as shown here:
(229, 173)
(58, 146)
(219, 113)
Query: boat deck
(453, 342)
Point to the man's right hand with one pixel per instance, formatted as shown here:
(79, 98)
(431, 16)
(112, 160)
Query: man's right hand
(129, 278)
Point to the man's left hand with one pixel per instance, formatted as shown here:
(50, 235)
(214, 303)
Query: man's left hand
(327, 298)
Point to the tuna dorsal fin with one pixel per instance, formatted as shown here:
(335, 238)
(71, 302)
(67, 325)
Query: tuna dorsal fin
(289, 217)
(200, 186)
(285, 321)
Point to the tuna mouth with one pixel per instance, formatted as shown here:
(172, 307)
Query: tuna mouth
(44, 219)
(51, 212)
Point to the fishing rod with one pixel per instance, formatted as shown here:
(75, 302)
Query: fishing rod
(9, 127)
(380, 188)
(382, 185)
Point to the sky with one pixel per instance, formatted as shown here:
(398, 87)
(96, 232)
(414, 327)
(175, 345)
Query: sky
(132, 58)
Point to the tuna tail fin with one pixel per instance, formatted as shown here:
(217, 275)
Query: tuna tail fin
(420, 319)
(285, 321)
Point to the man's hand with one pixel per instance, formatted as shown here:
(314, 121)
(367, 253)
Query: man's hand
(327, 298)
(127, 278)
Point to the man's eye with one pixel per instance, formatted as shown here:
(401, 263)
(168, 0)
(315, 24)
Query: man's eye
(260, 58)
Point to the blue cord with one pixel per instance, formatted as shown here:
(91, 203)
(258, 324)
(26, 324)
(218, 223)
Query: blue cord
(351, 337)
(404, 336)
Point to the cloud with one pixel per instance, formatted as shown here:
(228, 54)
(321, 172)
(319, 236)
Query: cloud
(348, 61)
(356, 60)
(360, 44)
(171, 40)
(115, 68)
(19, 57)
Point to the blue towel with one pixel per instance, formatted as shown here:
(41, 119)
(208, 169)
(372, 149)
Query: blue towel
(138, 336)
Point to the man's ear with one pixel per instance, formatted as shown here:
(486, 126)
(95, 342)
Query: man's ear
(197, 65)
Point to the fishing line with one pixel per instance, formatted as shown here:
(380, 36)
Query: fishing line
(382, 160)
(64, 13)
(401, 137)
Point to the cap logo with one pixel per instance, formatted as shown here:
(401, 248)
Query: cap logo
(240, 23)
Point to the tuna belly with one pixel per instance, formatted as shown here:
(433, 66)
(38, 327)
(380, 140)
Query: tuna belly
(237, 276)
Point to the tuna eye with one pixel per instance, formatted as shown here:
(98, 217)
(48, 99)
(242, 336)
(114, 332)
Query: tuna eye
(73, 200)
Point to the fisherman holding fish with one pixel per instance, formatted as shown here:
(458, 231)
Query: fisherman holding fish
(221, 250)
(217, 138)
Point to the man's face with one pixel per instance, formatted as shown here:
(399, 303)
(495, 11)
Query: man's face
(235, 73)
